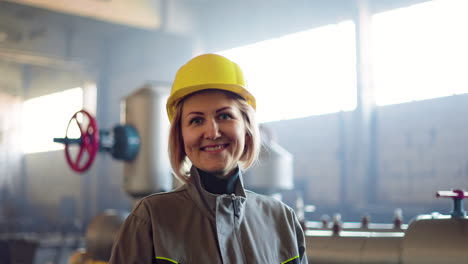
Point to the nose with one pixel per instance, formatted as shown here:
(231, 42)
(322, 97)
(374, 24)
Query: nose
(212, 130)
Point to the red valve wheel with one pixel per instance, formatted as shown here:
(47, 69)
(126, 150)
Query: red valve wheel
(89, 136)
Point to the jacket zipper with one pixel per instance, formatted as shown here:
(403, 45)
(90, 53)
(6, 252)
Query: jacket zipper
(235, 206)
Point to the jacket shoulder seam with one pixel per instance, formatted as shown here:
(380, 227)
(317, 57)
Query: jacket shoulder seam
(180, 189)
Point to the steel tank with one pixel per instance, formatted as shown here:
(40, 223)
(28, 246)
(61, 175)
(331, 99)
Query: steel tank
(435, 239)
(354, 247)
(429, 239)
(273, 171)
(150, 172)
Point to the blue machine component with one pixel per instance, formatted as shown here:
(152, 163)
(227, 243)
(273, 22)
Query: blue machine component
(458, 211)
(123, 143)
(126, 143)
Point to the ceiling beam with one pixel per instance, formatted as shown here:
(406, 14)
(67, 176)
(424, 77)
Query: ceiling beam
(138, 13)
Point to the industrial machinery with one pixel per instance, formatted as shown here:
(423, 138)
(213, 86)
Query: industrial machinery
(99, 238)
(141, 142)
(124, 145)
(428, 239)
(101, 233)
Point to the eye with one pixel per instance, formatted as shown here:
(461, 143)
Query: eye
(224, 116)
(196, 120)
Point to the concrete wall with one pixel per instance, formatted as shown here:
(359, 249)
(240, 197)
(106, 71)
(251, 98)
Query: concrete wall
(420, 148)
(315, 144)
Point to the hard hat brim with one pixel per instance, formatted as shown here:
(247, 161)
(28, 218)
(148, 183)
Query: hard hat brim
(182, 93)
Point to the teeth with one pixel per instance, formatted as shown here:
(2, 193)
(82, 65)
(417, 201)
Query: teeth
(214, 148)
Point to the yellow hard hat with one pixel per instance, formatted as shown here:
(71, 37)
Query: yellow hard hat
(208, 71)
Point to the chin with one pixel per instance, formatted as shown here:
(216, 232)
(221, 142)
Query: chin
(215, 170)
(219, 172)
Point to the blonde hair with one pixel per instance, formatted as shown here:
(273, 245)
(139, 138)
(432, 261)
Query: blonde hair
(179, 160)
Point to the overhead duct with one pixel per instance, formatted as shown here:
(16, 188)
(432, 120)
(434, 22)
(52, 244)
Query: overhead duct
(137, 13)
(31, 58)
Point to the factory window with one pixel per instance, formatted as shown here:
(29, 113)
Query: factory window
(307, 73)
(420, 52)
(47, 117)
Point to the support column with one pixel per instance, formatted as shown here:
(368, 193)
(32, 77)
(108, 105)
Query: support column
(363, 151)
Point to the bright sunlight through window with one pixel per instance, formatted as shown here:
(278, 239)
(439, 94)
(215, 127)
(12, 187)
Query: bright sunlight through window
(306, 73)
(47, 117)
(421, 52)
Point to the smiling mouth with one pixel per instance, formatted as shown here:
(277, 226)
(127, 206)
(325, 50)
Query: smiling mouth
(214, 147)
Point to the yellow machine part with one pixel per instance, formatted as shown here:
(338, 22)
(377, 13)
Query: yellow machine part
(81, 257)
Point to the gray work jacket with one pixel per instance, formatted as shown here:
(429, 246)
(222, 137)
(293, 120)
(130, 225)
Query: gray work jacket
(191, 225)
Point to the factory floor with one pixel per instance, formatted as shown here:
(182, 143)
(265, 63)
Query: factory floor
(46, 248)
(52, 256)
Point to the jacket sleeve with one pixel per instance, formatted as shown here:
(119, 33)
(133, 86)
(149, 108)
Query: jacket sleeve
(301, 244)
(134, 243)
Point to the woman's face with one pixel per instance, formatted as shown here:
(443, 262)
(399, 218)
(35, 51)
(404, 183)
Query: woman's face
(213, 131)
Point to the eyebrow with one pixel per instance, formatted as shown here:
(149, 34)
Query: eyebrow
(194, 113)
(223, 108)
(201, 113)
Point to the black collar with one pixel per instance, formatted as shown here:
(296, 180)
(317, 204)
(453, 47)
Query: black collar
(216, 185)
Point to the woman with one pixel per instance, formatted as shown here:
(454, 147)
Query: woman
(211, 218)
